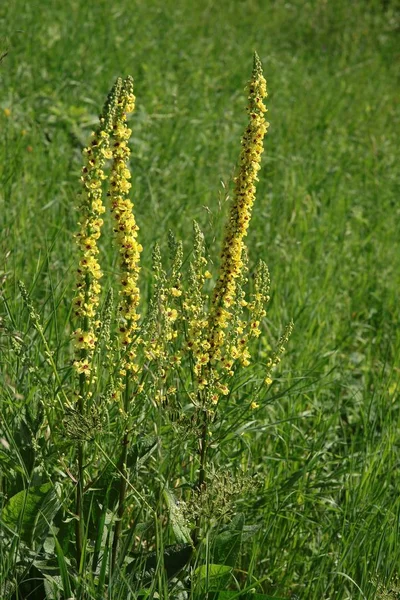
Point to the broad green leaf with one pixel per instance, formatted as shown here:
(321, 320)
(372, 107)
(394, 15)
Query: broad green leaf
(249, 531)
(101, 536)
(63, 569)
(227, 544)
(49, 568)
(175, 557)
(211, 577)
(140, 451)
(179, 526)
(31, 511)
(142, 594)
(103, 567)
(51, 588)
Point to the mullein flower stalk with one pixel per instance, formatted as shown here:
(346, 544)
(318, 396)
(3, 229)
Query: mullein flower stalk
(163, 321)
(125, 229)
(226, 338)
(228, 292)
(88, 280)
(275, 358)
(161, 327)
(194, 307)
(176, 255)
(240, 212)
(91, 208)
(246, 330)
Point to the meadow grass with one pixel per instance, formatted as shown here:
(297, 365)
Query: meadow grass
(323, 447)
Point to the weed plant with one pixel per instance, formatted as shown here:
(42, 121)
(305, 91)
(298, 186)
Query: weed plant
(126, 494)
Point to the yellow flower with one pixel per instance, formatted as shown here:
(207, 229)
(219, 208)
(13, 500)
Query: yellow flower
(84, 339)
(254, 405)
(171, 314)
(7, 112)
(106, 152)
(175, 292)
(203, 358)
(223, 389)
(82, 366)
(176, 359)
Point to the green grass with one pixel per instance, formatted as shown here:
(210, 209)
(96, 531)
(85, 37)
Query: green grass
(326, 449)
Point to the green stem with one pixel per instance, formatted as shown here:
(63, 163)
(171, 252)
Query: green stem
(80, 524)
(203, 447)
(122, 483)
(203, 451)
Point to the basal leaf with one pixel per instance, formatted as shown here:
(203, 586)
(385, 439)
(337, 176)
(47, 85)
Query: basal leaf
(227, 543)
(175, 558)
(179, 526)
(30, 512)
(211, 577)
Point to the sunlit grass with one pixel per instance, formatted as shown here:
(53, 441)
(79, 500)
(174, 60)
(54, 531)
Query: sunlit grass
(326, 221)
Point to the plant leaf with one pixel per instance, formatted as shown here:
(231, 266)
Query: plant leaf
(30, 512)
(175, 557)
(63, 569)
(227, 543)
(140, 451)
(179, 526)
(211, 577)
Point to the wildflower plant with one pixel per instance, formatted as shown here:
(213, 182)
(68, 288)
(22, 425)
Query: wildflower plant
(169, 368)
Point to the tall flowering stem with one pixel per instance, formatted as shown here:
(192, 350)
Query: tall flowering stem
(233, 245)
(126, 229)
(88, 277)
(227, 334)
(224, 344)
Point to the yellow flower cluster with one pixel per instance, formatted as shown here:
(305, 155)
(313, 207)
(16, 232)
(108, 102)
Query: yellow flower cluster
(193, 306)
(217, 334)
(125, 226)
(275, 359)
(91, 208)
(163, 321)
(238, 349)
(239, 218)
(220, 339)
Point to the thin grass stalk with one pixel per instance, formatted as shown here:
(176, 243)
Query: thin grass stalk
(80, 521)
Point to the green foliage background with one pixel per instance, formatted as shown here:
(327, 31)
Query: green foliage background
(326, 221)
